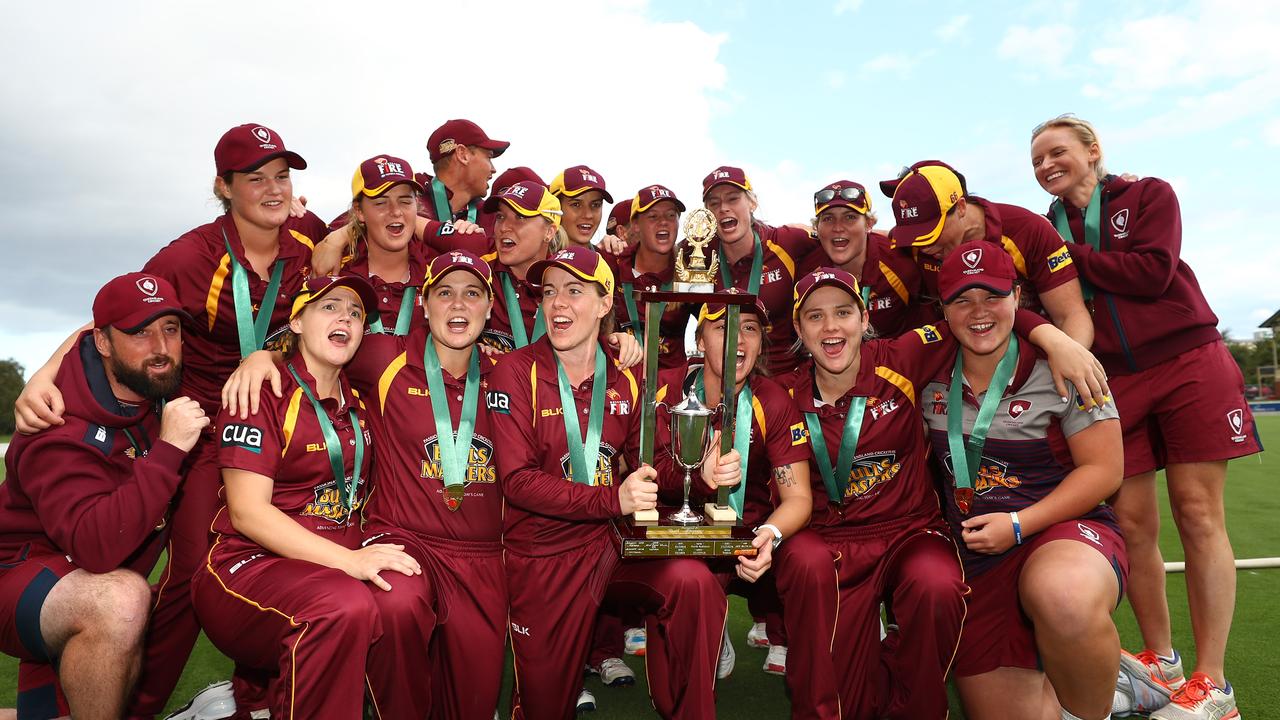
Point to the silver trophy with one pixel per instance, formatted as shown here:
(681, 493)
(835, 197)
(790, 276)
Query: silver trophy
(690, 436)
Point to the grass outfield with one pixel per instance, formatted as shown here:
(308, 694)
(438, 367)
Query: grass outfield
(1252, 507)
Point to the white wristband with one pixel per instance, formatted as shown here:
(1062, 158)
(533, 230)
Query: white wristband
(777, 534)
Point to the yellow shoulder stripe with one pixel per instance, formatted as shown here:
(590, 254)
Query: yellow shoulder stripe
(906, 386)
(895, 282)
(303, 239)
(533, 391)
(1019, 261)
(389, 375)
(215, 289)
(490, 257)
(758, 409)
(635, 387)
(291, 419)
(783, 256)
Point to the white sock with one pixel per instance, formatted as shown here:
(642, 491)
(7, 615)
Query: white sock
(1066, 715)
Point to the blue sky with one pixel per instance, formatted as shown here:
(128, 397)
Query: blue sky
(118, 119)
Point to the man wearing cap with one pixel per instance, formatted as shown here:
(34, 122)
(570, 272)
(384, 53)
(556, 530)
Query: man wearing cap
(85, 505)
(889, 277)
(935, 214)
(462, 158)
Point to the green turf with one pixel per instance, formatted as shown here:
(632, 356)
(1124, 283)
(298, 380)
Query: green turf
(750, 693)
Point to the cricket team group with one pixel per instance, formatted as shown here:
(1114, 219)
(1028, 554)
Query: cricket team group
(380, 451)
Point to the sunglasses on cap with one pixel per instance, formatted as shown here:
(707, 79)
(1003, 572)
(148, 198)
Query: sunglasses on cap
(826, 195)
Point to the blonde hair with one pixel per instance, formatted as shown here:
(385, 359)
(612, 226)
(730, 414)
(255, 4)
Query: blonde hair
(558, 242)
(1082, 129)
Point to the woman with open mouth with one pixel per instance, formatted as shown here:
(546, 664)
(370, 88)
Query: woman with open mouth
(288, 589)
(563, 483)
(526, 229)
(582, 196)
(877, 532)
(1025, 476)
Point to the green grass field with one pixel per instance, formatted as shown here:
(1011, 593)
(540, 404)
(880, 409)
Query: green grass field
(1252, 507)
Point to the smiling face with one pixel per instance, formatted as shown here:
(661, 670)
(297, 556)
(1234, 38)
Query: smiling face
(842, 231)
(259, 198)
(389, 218)
(521, 240)
(831, 324)
(656, 227)
(147, 362)
(456, 307)
(750, 342)
(582, 215)
(982, 320)
(1062, 162)
(330, 329)
(573, 308)
(732, 207)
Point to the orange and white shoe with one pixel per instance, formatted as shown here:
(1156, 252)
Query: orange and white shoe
(1200, 699)
(1146, 682)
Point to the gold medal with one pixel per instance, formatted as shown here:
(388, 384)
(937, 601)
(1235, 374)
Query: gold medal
(964, 499)
(453, 497)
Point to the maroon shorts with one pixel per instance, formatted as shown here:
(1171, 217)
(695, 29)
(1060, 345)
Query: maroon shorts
(24, 585)
(1190, 408)
(997, 633)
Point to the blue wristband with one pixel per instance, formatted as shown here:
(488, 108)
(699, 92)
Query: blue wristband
(1017, 528)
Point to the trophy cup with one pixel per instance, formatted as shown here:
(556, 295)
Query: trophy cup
(665, 532)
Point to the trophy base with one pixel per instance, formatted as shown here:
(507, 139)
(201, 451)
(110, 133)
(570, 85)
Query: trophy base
(720, 513)
(685, 517)
(639, 538)
(693, 287)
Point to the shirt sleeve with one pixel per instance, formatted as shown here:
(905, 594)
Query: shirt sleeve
(254, 444)
(1044, 253)
(441, 238)
(785, 439)
(188, 268)
(1074, 417)
(1148, 265)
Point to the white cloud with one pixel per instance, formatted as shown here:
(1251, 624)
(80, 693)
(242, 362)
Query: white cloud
(890, 62)
(846, 6)
(836, 79)
(954, 27)
(1037, 48)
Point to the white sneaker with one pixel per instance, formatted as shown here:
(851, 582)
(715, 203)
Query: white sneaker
(728, 657)
(1145, 683)
(776, 661)
(614, 672)
(634, 641)
(212, 703)
(757, 637)
(1200, 699)
(586, 701)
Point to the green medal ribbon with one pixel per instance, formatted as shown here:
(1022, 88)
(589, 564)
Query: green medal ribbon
(252, 330)
(444, 213)
(866, 297)
(583, 457)
(518, 333)
(966, 457)
(1092, 228)
(741, 435)
(837, 480)
(346, 493)
(403, 319)
(455, 450)
(757, 264)
(633, 313)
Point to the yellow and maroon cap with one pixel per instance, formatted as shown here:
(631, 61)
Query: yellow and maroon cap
(715, 311)
(842, 193)
(132, 301)
(317, 287)
(582, 262)
(578, 179)
(619, 215)
(245, 148)
(379, 174)
(725, 174)
(453, 133)
(647, 196)
(445, 263)
(822, 277)
(921, 201)
(976, 264)
(528, 198)
(513, 175)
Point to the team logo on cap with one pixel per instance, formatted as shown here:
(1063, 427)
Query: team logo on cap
(658, 191)
(1017, 407)
(447, 146)
(460, 258)
(972, 258)
(517, 191)
(386, 167)
(148, 286)
(588, 177)
(263, 134)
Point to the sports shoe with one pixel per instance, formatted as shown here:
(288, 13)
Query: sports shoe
(1145, 683)
(614, 672)
(775, 663)
(728, 657)
(1199, 699)
(757, 636)
(586, 701)
(212, 703)
(634, 641)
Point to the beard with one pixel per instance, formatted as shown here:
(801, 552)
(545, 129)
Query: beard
(150, 385)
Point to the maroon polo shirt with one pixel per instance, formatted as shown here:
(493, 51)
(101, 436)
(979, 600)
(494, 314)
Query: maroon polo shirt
(497, 333)
(894, 280)
(284, 442)
(198, 266)
(408, 479)
(391, 292)
(477, 243)
(547, 512)
(675, 319)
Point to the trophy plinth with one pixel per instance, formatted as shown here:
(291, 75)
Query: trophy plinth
(720, 514)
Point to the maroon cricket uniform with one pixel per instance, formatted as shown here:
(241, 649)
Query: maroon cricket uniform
(1179, 393)
(93, 493)
(894, 281)
(562, 559)
(430, 207)
(675, 319)
(444, 630)
(497, 333)
(391, 292)
(782, 247)
(312, 623)
(200, 269)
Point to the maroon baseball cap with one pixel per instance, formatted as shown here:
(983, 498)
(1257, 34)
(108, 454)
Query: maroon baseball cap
(714, 311)
(379, 174)
(513, 175)
(247, 147)
(647, 196)
(619, 215)
(453, 133)
(317, 287)
(131, 302)
(725, 174)
(528, 198)
(583, 262)
(888, 186)
(822, 277)
(976, 264)
(842, 193)
(578, 179)
(445, 263)
(921, 202)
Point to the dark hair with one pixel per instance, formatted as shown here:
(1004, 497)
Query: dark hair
(224, 201)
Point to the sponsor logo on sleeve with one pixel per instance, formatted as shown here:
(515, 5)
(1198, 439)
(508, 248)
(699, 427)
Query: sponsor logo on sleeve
(1059, 259)
(928, 334)
(799, 435)
(498, 402)
(245, 437)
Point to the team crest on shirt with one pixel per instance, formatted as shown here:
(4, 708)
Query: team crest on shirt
(328, 504)
(1235, 419)
(604, 465)
(1120, 223)
(879, 409)
(1017, 407)
(871, 471)
(939, 403)
(992, 474)
(480, 467)
(1059, 259)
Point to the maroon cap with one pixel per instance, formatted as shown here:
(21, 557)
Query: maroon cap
(842, 193)
(578, 179)
(821, 277)
(321, 285)
(247, 147)
(713, 311)
(976, 264)
(513, 175)
(445, 263)
(528, 198)
(583, 262)
(453, 133)
(725, 174)
(131, 302)
(921, 202)
(619, 215)
(379, 174)
(650, 195)
(888, 186)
